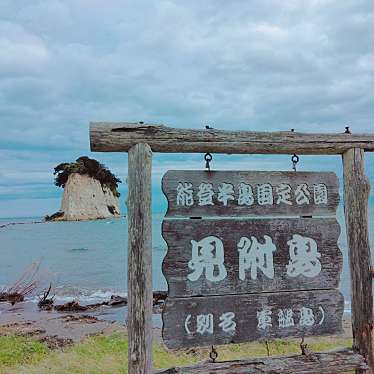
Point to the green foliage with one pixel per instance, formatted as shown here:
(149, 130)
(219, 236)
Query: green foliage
(15, 350)
(86, 166)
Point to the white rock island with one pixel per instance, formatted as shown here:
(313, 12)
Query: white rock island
(90, 191)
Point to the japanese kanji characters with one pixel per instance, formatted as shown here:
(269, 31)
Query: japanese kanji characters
(227, 322)
(244, 194)
(265, 194)
(264, 319)
(304, 257)
(289, 317)
(225, 193)
(306, 317)
(282, 318)
(251, 256)
(208, 255)
(285, 318)
(254, 255)
(284, 194)
(185, 194)
(320, 193)
(302, 194)
(205, 323)
(205, 194)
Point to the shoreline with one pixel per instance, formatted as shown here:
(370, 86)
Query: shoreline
(58, 329)
(53, 221)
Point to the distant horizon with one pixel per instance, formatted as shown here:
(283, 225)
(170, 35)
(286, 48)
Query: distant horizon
(158, 211)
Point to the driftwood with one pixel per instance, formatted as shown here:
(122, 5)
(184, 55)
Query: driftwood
(45, 300)
(159, 297)
(71, 306)
(11, 297)
(47, 303)
(121, 136)
(315, 363)
(25, 285)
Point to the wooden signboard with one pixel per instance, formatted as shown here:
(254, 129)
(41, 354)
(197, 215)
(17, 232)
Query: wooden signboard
(250, 193)
(244, 194)
(241, 279)
(215, 257)
(199, 321)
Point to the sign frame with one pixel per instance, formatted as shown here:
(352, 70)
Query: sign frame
(139, 138)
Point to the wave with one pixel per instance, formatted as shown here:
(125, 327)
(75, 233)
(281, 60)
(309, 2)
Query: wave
(63, 294)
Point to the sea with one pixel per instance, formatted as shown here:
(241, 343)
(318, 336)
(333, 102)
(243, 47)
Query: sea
(87, 260)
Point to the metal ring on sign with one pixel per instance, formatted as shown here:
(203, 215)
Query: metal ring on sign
(208, 157)
(213, 354)
(295, 158)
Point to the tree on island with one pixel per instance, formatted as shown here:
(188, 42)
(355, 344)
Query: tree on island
(87, 166)
(83, 198)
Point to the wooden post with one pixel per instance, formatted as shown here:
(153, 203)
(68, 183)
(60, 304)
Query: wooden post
(139, 260)
(356, 193)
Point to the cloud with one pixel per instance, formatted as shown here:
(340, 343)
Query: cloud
(259, 65)
(22, 53)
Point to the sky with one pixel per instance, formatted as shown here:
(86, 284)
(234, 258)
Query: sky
(261, 65)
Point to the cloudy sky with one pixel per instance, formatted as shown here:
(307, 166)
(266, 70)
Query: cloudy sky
(253, 65)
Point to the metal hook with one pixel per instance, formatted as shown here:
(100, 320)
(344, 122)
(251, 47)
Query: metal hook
(213, 354)
(295, 159)
(267, 348)
(208, 158)
(303, 347)
(305, 351)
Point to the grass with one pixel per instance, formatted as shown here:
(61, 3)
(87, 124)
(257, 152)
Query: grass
(108, 354)
(20, 350)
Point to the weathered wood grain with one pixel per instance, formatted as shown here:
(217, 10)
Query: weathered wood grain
(178, 234)
(140, 294)
(333, 362)
(121, 136)
(356, 193)
(180, 327)
(287, 198)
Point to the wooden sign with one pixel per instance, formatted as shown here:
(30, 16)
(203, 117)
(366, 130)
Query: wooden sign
(215, 257)
(139, 138)
(250, 193)
(238, 279)
(199, 321)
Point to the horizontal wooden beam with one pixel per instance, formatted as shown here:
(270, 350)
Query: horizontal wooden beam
(328, 362)
(121, 136)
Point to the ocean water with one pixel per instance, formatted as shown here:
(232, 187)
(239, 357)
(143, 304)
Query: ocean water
(88, 259)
